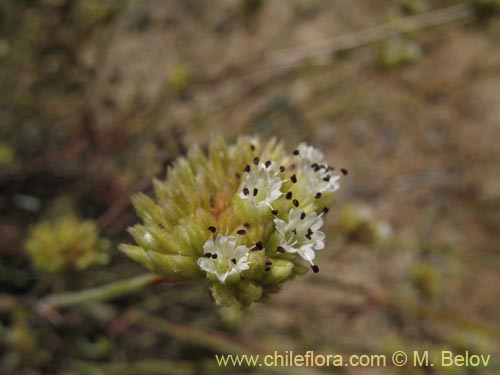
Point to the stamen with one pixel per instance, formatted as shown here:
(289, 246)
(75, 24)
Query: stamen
(318, 195)
(267, 268)
(238, 176)
(294, 179)
(268, 163)
(308, 236)
(256, 161)
(288, 195)
(315, 268)
(212, 229)
(296, 203)
(208, 255)
(246, 225)
(274, 212)
(302, 215)
(344, 171)
(252, 147)
(280, 249)
(214, 256)
(296, 152)
(325, 210)
(282, 169)
(259, 246)
(247, 168)
(255, 191)
(268, 262)
(294, 231)
(246, 191)
(233, 260)
(241, 232)
(327, 178)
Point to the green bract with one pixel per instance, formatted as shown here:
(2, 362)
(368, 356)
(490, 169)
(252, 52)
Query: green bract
(246, 216)
(66, 244)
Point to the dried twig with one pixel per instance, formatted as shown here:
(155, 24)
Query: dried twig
(292, 57)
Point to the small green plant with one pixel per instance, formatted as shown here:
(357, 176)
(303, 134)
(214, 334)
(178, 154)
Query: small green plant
(399, 51)
(180, 78)
(247, 216)
(66, 244)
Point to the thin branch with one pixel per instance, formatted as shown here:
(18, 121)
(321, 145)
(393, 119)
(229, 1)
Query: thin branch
(100, 293)
(293, 57)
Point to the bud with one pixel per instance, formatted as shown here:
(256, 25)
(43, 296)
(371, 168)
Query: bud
(246, 216)
(66, 244)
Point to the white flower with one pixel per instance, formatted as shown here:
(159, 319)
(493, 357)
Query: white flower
(301, 234)
(319, 176)
(310, 153)
(261, 184)
(223, 257)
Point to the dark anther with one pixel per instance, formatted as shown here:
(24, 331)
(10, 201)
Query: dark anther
(246, 225)
(259, 246)
(302, 215)
(233, 260)
(274, 212)
(280, 250)
(294, 231)
(256, 160)
(293, 178)
(282, 169)
(318, 195)
(314, 165)
(267, 268)
(296, 152)
(268, 163)
(212, 229)
(252, 147)
(288, 195)
(208, 255)
(308, 236)
(247, 168)
(255, 191)
(241, 232)
(214, 256)
(296, 203)
(344, 171)
(246, 191)
(238, 176)
(315, 268)
(325, 210)
(327, 178)
(309, 231)
(268, 262)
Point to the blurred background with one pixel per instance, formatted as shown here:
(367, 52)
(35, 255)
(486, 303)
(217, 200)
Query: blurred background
(97, 97)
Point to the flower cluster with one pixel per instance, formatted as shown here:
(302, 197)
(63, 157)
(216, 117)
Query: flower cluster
(66, 244)
(248, 216)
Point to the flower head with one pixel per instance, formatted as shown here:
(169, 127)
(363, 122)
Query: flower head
(66, 244)
(246, 216)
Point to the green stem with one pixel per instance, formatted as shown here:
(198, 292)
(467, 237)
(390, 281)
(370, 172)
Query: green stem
(100, 293)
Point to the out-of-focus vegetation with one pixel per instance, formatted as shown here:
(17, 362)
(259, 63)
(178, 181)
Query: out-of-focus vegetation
(98, 97)
(65, 245)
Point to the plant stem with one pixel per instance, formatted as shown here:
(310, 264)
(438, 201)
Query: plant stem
(100, 293)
